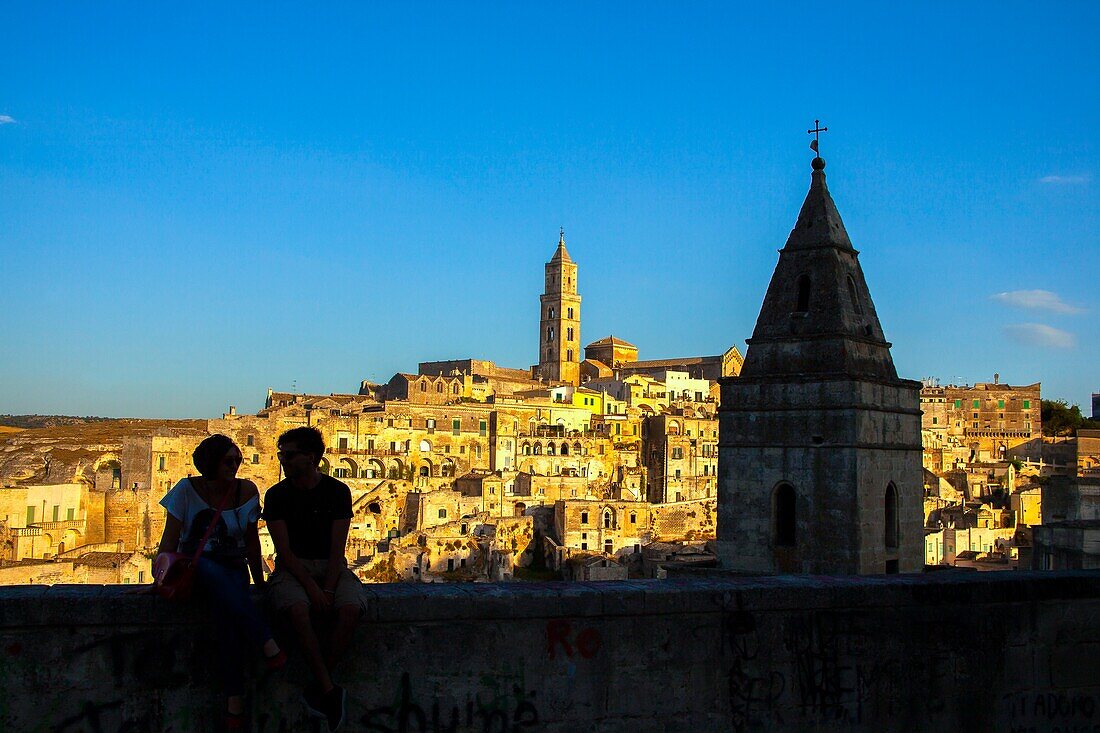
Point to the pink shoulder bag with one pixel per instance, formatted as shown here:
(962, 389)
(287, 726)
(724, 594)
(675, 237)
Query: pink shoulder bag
(174, 572)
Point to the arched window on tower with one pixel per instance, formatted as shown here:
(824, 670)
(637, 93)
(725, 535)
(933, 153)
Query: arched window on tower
(891, 518)
(550, 334)
(550, 312)
(783, 516)
(854, 296)
(803, 304)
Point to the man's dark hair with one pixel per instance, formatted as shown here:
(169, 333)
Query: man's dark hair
(210, 453)
(308, 440)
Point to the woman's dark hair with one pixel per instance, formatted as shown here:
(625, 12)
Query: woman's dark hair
(211, 452)
(308, 440)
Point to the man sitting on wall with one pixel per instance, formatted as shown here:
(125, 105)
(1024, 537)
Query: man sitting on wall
(308, 515)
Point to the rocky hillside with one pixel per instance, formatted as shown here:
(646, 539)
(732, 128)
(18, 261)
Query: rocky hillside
(67, 453)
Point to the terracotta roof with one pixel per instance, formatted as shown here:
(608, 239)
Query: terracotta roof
(611, 341)
(104, 559)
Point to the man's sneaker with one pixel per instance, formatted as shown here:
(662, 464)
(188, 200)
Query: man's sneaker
(314, 700)
(334, 706)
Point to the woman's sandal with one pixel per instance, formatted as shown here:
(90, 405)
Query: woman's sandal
(277, 661)
(235, 721)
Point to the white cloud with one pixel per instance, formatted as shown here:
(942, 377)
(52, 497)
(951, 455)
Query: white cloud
(1037, 300)
(1038, 334)
(7, 120)
(1065, 179)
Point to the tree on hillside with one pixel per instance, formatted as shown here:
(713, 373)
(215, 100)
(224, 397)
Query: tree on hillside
(1060, 418)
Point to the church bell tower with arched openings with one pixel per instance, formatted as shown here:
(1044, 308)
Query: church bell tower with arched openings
(819, 451)
(560, 321)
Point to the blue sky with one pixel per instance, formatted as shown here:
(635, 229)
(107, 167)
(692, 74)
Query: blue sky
(199, 202)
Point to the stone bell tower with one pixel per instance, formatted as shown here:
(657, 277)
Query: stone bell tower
(819, 456)
(560, 321)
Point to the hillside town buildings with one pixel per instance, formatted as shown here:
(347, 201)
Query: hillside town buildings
(462, 470)
(809, 454)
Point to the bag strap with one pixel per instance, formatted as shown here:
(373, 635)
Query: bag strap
(213, 523)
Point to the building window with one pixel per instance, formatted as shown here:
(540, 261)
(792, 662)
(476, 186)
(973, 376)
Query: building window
(1027, 404)
(456, 427)
(477, 450)
(783, 513)
(439, 387)
(70, 514)
(162, 463)
(255, 458)
(608, 519)
(977, 404)
(442, 513)
(891, 523)
(423, 386)
(677, 453)
(570, 311)
(855, 298)
(454, 388)
(250, 440)
(430, 425)
(482, 428)
(569, 334)
(803, 303)
(584, 515)
(1000, 404)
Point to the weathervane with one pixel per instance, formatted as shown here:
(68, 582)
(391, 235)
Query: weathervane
(816, 132)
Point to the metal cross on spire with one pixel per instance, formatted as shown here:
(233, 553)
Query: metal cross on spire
(816, 132)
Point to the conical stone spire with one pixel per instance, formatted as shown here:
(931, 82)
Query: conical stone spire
(819, 451)
(561, 254)
(818, 317)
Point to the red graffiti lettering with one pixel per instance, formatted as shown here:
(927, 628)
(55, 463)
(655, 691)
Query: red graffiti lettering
(557, 632)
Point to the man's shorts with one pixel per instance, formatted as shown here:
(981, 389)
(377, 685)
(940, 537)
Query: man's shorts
(284, 590)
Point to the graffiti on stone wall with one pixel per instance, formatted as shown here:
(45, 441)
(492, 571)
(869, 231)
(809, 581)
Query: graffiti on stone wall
(752, 693)
(498, 711)
(559, 635)
(834, 679)
(820, 671)
(1053, 711)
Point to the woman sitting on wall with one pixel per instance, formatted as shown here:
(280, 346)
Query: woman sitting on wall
(221, 574)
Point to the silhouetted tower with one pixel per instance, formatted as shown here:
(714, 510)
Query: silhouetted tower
(560, 322)
(819, 463)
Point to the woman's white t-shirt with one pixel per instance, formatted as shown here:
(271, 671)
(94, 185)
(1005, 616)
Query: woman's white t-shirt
(227, 540)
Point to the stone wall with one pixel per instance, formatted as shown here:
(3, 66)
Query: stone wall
(705, 652)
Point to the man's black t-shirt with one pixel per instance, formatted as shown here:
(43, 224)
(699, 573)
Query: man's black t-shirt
(309, 514)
